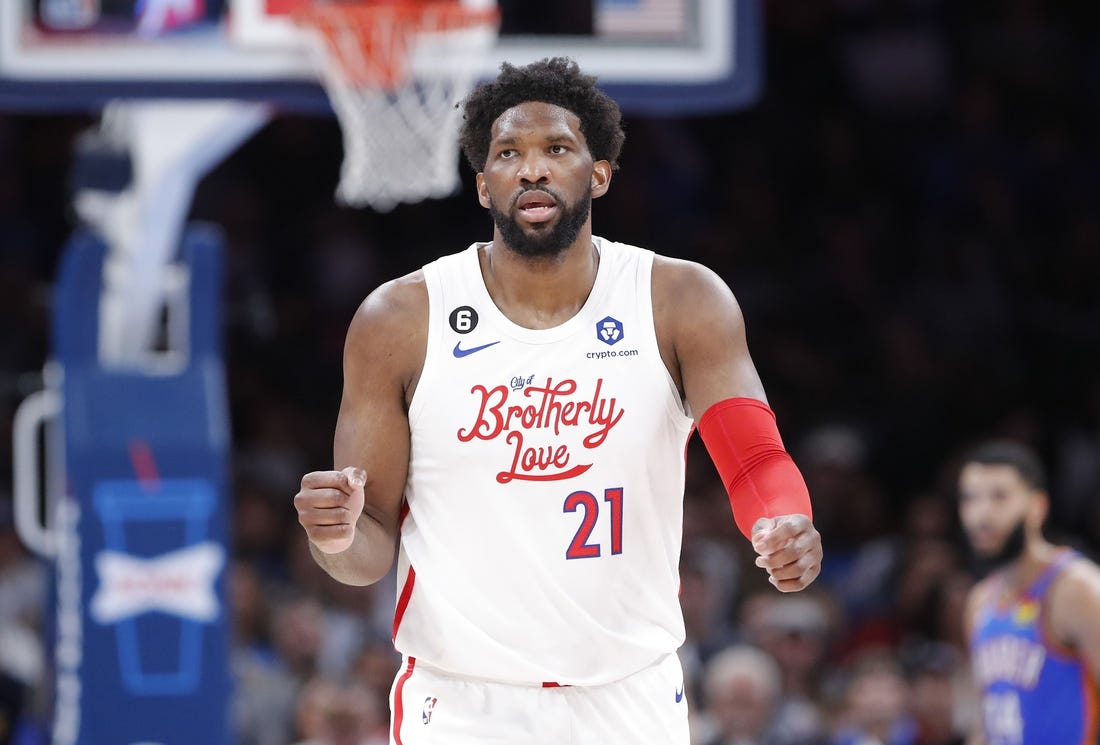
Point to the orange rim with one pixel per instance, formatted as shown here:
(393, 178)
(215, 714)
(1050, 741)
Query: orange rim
(383, 32)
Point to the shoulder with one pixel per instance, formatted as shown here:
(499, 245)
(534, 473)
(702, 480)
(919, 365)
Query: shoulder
(689, 289)
(672, 277)
(678, 276)
(1074, 606)
(691, 299)
(1078, 585)
(391, 325)
(397, 304)
(980, 594)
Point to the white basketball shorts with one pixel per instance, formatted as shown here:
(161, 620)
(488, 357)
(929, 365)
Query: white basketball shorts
(430, 707)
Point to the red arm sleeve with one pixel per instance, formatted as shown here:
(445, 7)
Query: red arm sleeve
(760, 477)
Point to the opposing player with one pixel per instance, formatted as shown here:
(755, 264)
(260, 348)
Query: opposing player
(515, 417)
(1034, 622)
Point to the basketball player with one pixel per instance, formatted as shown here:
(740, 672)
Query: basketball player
(1034, 622)
(514, 420)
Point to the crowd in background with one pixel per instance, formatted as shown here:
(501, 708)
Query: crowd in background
(908, 218)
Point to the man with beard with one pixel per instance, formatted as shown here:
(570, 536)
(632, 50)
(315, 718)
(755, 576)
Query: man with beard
(513, 424)
(1034, 621)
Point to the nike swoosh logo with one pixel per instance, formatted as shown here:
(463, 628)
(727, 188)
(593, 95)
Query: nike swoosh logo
(680, 695)
(460, 352)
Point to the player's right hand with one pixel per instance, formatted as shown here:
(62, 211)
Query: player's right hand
(329, 505)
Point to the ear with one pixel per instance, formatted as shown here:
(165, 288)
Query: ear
(1040, 508)
(482, 191)
(601, 178)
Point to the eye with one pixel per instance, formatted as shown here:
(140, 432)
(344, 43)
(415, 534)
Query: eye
(558, 149)
(507, 153)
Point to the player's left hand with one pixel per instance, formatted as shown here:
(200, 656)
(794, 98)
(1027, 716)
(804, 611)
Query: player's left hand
(789, 548)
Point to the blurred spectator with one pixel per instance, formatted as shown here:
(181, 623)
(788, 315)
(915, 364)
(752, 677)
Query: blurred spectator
(796, 631)
(268, 686)
(708, 585)
(742, 690)
(863, 553)
(259, 528)
(271, 454)
(375, 667)
(875, 708)
(942, 696)
(251, 612)
(22, 654)
(334, 713)
(298, 630)
(353, 616)
(261, 692)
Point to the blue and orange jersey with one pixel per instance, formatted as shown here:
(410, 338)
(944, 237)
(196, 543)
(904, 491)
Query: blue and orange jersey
(1034, 690)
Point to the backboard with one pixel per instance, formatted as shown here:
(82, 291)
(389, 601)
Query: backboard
(653, 56)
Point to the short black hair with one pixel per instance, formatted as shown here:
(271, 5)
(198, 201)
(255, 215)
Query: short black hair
(555, 80)
(1011, 453)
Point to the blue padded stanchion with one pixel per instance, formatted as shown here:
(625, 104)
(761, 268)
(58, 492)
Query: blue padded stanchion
(141, 622)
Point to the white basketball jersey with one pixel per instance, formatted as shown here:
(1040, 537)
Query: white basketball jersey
(545, 489)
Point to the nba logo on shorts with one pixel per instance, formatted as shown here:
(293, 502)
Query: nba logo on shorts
(429, 706)
(609, 330)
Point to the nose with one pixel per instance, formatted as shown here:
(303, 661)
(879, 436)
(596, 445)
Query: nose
(535, 169)
(976, 512)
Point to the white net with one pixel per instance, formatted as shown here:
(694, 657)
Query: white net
(394, 74)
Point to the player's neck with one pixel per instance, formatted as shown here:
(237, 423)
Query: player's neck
(540, 292)
(1023, 571)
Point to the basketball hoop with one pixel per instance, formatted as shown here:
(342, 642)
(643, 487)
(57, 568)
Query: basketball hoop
(394, 71)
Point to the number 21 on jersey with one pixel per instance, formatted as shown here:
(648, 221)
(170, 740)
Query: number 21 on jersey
(581, 547)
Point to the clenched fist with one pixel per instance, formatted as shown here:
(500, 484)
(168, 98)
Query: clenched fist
(789, 548)
(329, 506)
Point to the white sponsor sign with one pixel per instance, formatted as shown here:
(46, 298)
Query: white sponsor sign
(180, 583)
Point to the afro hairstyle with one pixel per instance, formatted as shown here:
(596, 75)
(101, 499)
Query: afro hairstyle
(556, 80)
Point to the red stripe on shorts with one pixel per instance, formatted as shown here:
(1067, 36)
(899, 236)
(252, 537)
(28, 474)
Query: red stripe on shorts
(398, 705)
(403, 601)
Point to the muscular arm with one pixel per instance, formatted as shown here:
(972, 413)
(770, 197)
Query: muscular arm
(383, 354)
(701, 332)
(702, 335)
(1075, 615)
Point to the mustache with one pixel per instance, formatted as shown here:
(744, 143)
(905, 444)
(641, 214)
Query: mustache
(535, 187)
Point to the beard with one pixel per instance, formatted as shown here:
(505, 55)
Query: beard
(1010, 551)
(546, 241)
